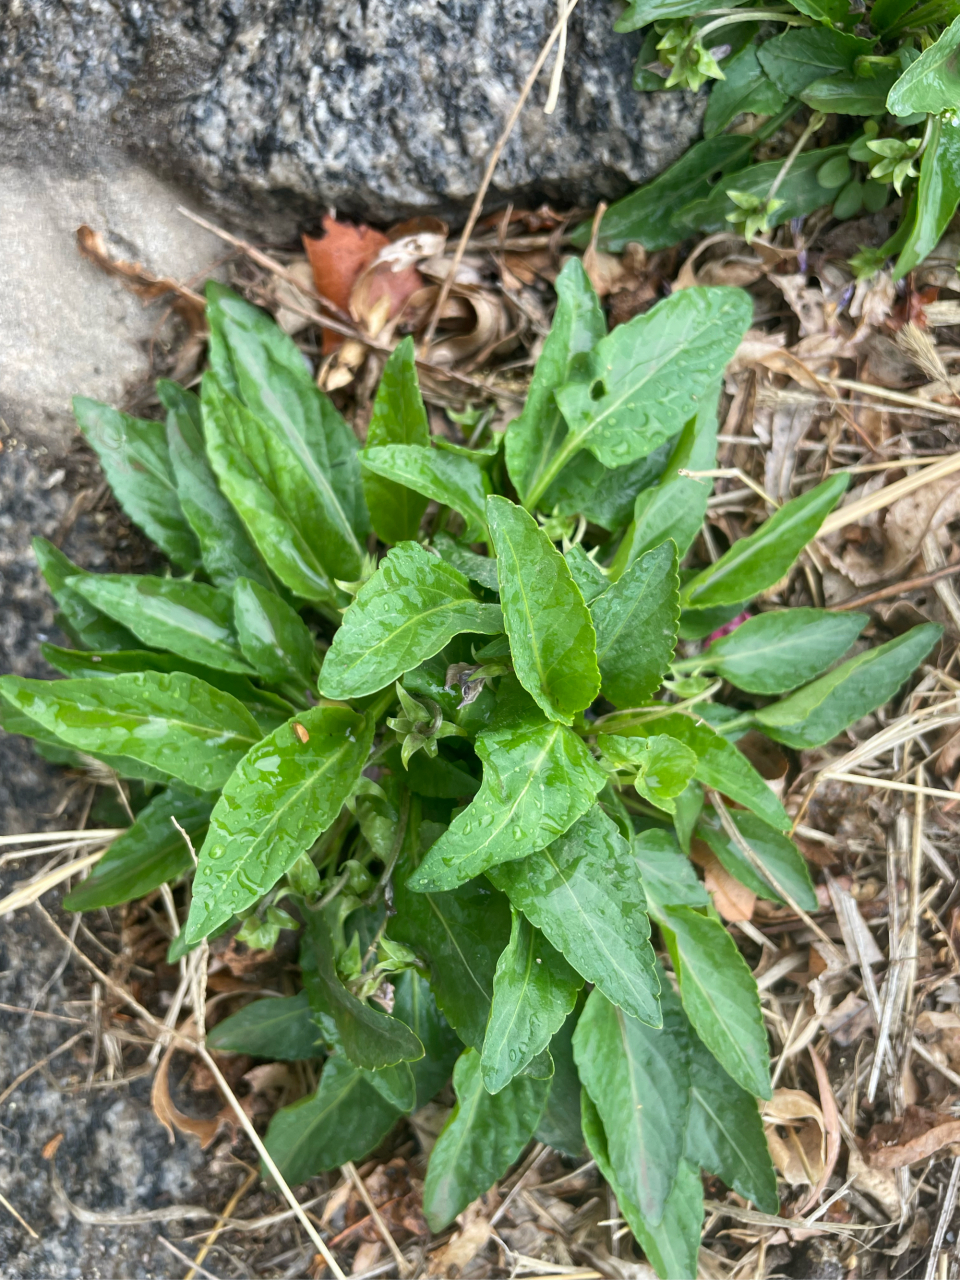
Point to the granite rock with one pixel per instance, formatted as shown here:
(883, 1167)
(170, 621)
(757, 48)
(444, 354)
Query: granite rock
(287, 107)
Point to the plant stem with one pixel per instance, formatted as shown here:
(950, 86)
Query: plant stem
(748, 15)
(571, 445)
(815, 122)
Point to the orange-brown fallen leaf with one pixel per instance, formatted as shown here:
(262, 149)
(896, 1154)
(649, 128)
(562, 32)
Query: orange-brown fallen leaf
(166, 1110)
(921, 1147)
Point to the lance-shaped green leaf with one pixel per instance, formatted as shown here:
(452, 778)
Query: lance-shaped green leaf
(134, 457)
(343, 1120)
(188, 618)
(755, 563)
(673, 1244)
(477, 568)
(937, 194)
(725, 1133)
(719, 994)
(482, 1138)
(778, 651)
(552, 637)
(460, 935)
(675, 506)
(603, 495)
(283, 795)
(636, 620)
(668, 877)
(533, 991)
(818, 712)
(745, 87)
(278, 1028)
(268, 709)
(53, 748)
(932, 83)
(411, 607)
(586, 573)
(147, 855)
(804, 54)
(226, 549)
(263, 367)
(370, 1038)
(719, 764)
(538, 779)
(578, 324)
(271, 492)
(395, 1085)
(175, 723)
(775, 851)
(663, 766)
(644, 381)
(585, 895)
(273, 638)
(415, 1005)
(446, 477)
(86, 624)
(638, 1078)
(559, 1125)
(398, 417)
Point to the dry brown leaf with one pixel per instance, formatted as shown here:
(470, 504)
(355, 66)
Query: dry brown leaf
(367, 1256)
(850, 1021)
(285, 295)
(927, 510)
(188, 305)
(831, 1120)
(807, 304)
(901, 1154)
(799, 1155)
(732, 899)
(337, 258)
(167, 1112)
(146, 286)
(879, 1184)
(473, 1232)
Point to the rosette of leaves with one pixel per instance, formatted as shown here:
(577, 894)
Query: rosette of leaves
(462, 786)
(885, 80)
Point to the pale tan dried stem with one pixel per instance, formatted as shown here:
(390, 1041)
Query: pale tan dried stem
(492, 163)
(895, 397)
(268, 1160)
(888, 784)
(42, 1062)
(222, 1221)
(855, 511)
(349, 1170)
(23, 1222)
(30, 890)
(833, 955)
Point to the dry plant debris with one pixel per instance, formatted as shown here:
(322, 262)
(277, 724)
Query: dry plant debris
(861, 998)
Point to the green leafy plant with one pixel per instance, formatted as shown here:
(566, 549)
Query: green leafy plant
(881, 86)
(464, 771)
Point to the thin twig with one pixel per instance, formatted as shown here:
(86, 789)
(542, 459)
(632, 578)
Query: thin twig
(946, 1212)
(268, 1160)
(896, 589)
(733, 831)
(55, 1053)
(492, 163)
(195, 1267)
(897, 397)
(222, 1221)
(23, 1222)
(349, 1170)
(888, 784)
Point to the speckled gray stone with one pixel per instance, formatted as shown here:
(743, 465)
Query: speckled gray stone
(377, 107)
